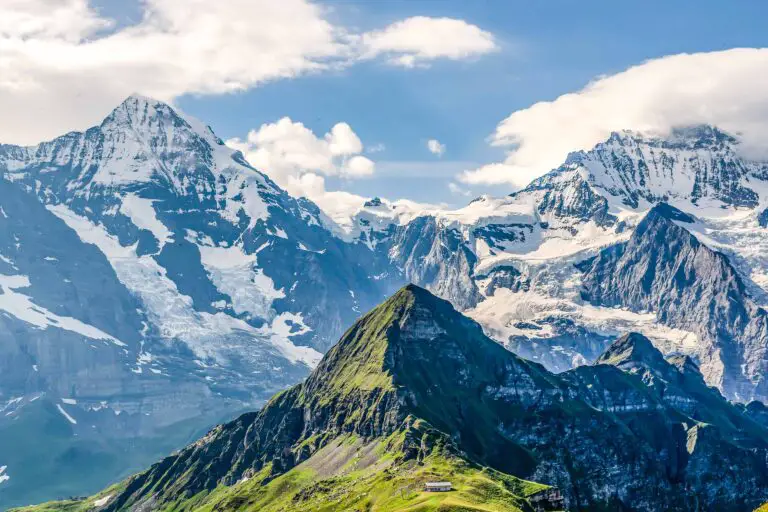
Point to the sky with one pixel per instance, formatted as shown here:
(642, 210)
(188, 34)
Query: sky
(434, 101)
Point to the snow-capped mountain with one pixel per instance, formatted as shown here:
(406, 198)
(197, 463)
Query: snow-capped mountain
(153, 282)
(692, 164)
(520, 265)
(148, 272)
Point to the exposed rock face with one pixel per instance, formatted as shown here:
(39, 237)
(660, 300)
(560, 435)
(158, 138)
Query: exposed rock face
(436, 258)
(147, 271)
(569, 197)
(619, 435)
(664, 268)
(692, 163)
(504, 277)
(526, 244)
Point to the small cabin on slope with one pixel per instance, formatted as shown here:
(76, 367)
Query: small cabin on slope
(438, 486)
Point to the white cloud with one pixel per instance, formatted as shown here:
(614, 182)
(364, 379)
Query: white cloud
(358, 166)
(434, 147)
(458, 191)
(338, 205)
(59, 73)
(297, 159)
(728, 89)
(497, 174)
(343, 141)
(70, 20)
(418, 40)
(63, 66)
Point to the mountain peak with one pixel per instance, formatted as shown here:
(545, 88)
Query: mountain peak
(671, 213)
(137, 110)
(137, 101)
(631, 348)
(369, 354)
(415, 379)
(680, 137)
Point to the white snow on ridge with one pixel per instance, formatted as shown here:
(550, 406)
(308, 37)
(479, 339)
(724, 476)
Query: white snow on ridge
(142, 213)
(499, 313)
(7, 260)
(66, 415)
(349, 220)
(242, 194)
(22, 307)
(490, 210)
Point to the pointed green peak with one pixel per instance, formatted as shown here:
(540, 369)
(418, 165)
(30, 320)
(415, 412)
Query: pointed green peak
(358, 362)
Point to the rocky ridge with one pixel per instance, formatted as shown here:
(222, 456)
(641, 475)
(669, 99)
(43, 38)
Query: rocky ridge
(609, 436)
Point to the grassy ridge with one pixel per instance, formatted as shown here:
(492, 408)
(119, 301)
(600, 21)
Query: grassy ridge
(352, 475)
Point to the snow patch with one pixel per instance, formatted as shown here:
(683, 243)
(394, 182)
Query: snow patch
(282, 328)
(67, 416)
(142, 213)
(234, 273)
(22, 307)
(102, 501)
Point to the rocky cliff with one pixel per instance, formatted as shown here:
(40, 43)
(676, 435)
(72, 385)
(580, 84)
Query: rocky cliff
(633, 432)
(666, 269)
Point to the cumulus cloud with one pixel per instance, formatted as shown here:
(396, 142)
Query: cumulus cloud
(418, 40)
(728, 89)
(297, 159)
(70, 20)
(337, 204)
(434, 147)
(63, 66)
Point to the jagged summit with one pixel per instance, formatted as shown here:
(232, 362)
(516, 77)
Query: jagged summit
(669, 212)
(691, 137)
(690, 164)
(677, 382)
(141, 112)
(146, 113)
(686, 365)
(417, 342)
(411, 365)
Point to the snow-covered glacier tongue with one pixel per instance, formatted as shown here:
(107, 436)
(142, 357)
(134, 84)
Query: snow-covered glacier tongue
(160, 284)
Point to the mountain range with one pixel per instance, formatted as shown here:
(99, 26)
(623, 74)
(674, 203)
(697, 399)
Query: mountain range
(154, 283)
(414, 391)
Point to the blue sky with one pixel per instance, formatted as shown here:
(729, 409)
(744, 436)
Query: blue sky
(547, 49)
(543, 50)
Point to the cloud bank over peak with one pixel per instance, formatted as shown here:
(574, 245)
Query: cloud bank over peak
(63, 66)
(727, 89)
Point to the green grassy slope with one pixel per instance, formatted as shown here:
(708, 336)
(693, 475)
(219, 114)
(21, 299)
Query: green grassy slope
(414, 391)
(352, 474)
